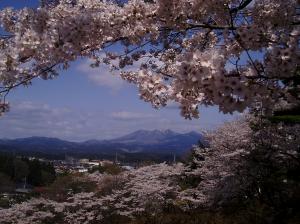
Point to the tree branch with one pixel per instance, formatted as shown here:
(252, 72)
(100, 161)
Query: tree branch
(243, 5)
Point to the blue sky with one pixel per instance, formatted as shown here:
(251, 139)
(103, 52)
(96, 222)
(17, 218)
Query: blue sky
(84, 103)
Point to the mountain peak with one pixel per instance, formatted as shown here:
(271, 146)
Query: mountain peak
(159, 141)
(168, 132)
(193, 133)
(146, 136)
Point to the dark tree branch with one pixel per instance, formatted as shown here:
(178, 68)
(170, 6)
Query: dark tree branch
(243, 5)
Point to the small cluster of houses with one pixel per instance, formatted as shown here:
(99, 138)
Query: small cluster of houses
(73, 165)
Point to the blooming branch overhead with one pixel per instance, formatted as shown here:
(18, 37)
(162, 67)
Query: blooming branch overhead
(230, 53)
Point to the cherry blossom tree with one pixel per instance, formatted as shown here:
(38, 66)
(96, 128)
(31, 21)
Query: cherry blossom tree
(247, 159)
(147, 188)
(230, 53)
(216, 164)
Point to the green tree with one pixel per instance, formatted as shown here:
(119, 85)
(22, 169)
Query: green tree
(21, 170)
(6, 185)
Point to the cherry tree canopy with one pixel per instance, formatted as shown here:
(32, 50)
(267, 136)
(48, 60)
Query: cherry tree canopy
(230, 53)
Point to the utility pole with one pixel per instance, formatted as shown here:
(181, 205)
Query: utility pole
(25, 182)
(116, 158)
(14, 162)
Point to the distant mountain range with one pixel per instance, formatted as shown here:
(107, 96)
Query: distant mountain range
(140, 142)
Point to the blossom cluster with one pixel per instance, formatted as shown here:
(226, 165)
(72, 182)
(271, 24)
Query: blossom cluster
(128, 194)
(217, 163)
(240, 155)
(228, 53)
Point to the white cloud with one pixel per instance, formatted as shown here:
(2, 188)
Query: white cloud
(126, 115)
(101, 76)
(30, 119)
(35, 119)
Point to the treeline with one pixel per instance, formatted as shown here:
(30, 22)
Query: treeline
(125, 157)
(20, 170)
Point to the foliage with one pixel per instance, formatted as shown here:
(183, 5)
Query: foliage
(4, 203)
(109, 168)
(17, 168)
(67, 185)
(286, 119)
(286, 114)
(6, 184)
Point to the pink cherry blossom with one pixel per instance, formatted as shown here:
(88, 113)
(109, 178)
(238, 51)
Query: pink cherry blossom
(228, 53)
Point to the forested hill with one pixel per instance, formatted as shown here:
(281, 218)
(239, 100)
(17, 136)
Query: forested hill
(136, 144)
